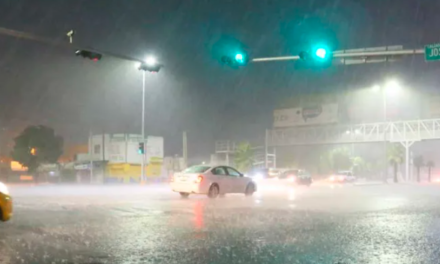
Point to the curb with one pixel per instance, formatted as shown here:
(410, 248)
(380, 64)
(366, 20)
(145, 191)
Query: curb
(369, 183)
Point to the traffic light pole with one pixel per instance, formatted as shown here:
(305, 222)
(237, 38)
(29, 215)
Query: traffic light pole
(345, 54)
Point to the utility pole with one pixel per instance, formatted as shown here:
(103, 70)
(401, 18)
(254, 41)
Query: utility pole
(143, 128)
(266, 163)
(384, 102)
(185, 149)
(103, 155)
(91, 153)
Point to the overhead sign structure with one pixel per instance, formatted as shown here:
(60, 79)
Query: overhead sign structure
(432, 52)
(303, 116)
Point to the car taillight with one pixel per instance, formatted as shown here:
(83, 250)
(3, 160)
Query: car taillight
(199, 179)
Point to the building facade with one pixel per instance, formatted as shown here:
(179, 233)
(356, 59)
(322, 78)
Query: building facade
(115, 158)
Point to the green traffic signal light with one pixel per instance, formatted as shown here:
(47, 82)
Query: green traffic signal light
(239, 58)
(141, 148)
(321, 53)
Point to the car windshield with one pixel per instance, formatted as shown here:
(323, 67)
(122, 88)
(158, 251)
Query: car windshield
(196, 169)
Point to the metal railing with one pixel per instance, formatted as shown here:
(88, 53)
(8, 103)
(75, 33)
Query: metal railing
(398, 131)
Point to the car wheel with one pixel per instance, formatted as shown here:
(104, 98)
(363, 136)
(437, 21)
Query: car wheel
(213, 191)
(184, 195)
(250, 189)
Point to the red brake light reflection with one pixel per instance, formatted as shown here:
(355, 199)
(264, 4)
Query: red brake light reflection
(199, 179)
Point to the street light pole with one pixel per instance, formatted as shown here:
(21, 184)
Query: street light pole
(150, 65)
(384, 95)
(143, 128)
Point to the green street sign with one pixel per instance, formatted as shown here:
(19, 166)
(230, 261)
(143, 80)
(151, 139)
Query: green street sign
(432, 52)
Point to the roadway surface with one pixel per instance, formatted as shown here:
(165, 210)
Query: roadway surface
(149, 224)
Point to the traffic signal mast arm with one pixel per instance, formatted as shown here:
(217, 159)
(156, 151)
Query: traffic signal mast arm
(344, 54)
(29, 36)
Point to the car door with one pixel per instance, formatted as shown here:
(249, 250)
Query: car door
(238, 182)
(220, 176)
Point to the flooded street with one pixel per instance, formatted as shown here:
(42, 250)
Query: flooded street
(150, 224)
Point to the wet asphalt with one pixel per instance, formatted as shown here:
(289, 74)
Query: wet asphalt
(150, 224)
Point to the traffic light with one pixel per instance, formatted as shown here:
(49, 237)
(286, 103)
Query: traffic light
(89, 55)
(238, 59)
(141, 148)
(33, 151)
(321, 53)
(318, 54)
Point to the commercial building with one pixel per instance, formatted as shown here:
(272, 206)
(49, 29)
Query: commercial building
(114, 158)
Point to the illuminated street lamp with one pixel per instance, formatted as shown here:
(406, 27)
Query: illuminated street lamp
(151, 61)
(150, 64)
(391, 87)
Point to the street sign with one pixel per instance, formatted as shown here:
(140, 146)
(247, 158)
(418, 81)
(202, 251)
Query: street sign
(432, 52)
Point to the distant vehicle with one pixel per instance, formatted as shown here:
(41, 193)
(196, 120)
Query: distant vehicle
(342, 177)
(296, 176)
(265, 173)
(257, 174)
(5, 203)
(212, 181)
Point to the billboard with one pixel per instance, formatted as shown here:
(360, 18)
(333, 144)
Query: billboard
(154, 149)
(309, 115)
(127, 151)
(434, 106)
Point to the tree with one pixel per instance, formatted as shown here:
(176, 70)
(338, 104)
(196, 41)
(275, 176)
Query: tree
(396, 154)
(341, 159)
(325, 163)
(37, 145)
(418, 163)
(430, 164)
(359, 165)
(244, 156)
(335, 159)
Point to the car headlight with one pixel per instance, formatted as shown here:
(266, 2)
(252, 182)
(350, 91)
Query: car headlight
(258, 176)
(4, 189)
(332, 178)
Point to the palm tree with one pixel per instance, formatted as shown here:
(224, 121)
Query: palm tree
(430, 164)
(396, 157)
(418, 163)
(244, 156)
(359, 165)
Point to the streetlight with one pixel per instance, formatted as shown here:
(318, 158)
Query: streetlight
(150, 64)
(151, 61)
(391, 87)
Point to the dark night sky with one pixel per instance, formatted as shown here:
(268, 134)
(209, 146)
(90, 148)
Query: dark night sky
(194, 92)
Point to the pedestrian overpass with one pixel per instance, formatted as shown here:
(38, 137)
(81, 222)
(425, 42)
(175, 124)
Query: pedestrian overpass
(403, 132)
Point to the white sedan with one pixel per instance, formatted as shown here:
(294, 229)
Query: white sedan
(211, 180)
